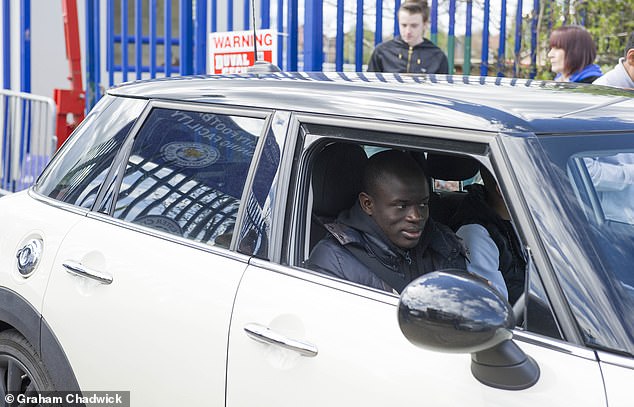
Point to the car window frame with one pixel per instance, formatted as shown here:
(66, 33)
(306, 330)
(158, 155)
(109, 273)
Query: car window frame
(510, 185)
(94, 115)
(104, 204)
(483, 146)
(410, 137)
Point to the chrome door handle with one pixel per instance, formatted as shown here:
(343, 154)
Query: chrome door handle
(262, 333)
(78, 269)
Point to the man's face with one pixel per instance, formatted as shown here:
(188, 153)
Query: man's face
(400, 207)
(411, 27)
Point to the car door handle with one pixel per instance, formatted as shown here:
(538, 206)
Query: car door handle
(78, 269)
(264, 334)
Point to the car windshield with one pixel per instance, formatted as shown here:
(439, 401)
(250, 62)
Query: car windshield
(580, 190)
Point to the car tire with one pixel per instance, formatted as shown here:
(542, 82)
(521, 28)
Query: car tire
(21, 368)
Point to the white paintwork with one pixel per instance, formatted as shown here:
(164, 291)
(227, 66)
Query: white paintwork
(363, 358)
(618, 374)
(159, 330)
(23, 218)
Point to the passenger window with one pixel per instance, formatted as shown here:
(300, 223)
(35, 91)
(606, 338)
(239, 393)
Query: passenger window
(186, 173)
(79, 169)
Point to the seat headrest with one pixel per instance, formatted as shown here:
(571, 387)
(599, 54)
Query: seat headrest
(451, 167)
(336, 179)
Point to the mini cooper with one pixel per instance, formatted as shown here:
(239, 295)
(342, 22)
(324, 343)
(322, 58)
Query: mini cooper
(162, 251)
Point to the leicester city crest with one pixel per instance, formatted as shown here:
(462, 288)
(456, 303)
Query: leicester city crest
(190, 154)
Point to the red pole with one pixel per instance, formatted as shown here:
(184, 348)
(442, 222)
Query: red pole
(70, 102)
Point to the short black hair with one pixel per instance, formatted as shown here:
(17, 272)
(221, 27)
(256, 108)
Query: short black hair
(416, 7)
(389, 163)
(629, 45)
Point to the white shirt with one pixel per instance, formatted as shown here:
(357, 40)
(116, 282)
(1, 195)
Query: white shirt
(613, 179)
(484, 256)
(617, 77)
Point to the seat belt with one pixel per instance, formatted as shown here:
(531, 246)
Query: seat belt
(388, 276)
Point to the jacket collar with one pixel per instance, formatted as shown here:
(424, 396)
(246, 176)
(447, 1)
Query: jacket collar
(425, 44)
(355, 226)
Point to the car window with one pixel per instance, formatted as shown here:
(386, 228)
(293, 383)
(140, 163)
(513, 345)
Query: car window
(333, 186)
(587, 244)
(186, 173)
(254, 236)
(77, 172)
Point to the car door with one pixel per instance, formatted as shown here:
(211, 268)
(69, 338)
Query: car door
(344, 347)
(301, 338)
(142, 289)
(618, 373)
(158, 329)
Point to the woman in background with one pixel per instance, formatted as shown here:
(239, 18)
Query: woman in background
(572, 53)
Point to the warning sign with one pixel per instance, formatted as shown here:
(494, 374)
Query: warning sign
(232, 51)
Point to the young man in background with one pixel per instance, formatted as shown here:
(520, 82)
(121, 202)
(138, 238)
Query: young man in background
(409, 52)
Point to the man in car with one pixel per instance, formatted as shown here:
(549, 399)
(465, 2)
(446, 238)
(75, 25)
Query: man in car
(409, 51)
(387, 239)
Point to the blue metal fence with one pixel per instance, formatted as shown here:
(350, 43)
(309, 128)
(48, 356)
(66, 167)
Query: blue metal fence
(27, 138)
(159, 51)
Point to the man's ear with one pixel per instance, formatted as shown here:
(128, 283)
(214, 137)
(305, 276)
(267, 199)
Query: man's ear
(366, 203)
(629, 57)
(629, 63)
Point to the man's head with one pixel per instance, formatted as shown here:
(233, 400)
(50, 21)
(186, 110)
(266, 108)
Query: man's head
(396, 195)
(412, 18)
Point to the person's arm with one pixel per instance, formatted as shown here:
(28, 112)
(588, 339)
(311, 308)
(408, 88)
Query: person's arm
(609, 176)
(484, 256)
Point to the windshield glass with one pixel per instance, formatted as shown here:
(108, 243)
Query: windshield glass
(580, 189)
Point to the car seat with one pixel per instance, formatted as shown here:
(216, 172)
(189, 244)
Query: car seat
(336, 183)
(448, 168)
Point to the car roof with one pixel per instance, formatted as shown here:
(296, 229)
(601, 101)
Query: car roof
(479, 103)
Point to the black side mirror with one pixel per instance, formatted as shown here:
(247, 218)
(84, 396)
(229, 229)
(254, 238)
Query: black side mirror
(454, 311)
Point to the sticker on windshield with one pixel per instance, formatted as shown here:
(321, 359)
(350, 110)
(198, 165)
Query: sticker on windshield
(189, 154)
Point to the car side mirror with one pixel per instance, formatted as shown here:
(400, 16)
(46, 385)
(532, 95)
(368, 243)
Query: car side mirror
(454, 311)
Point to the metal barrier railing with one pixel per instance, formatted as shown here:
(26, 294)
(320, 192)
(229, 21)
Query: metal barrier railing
(28, 140)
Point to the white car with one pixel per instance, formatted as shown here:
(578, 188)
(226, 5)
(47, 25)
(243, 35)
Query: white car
(161, 254)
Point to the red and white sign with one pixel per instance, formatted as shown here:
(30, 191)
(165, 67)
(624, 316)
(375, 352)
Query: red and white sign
(232, 51)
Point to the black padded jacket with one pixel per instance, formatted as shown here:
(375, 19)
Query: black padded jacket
(439, 248)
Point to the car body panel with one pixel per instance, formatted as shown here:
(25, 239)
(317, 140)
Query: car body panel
(170, 327)
(161, 324)
(363, 359)
(469, 102)
(618, 374)
(37, 220)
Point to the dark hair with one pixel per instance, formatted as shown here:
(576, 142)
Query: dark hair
(416, 7)
(389, 163)
(577, 42)
(629, 45)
